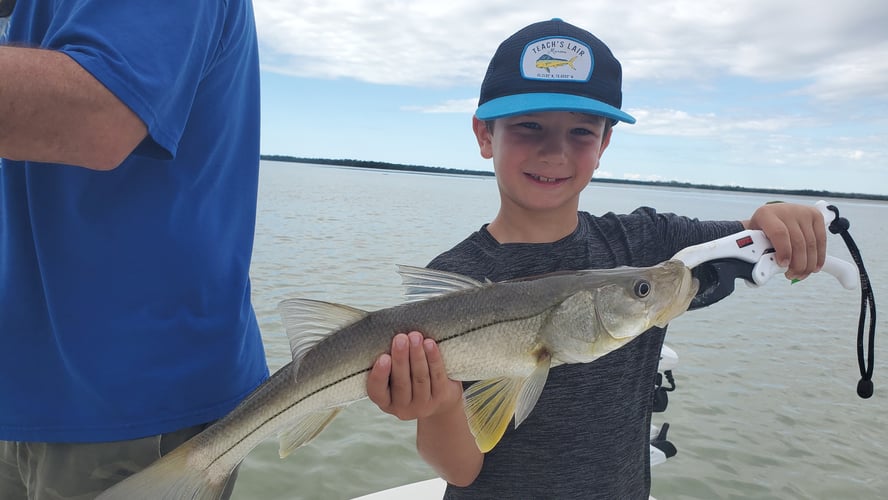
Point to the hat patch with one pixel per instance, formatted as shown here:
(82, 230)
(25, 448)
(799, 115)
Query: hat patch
(557, 58)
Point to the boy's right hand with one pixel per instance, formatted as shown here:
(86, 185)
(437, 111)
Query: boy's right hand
(411, 382)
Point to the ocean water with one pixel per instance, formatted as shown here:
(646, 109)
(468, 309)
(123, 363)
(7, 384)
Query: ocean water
(766, 404)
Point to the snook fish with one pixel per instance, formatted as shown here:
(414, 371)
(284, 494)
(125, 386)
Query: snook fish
(504, 335)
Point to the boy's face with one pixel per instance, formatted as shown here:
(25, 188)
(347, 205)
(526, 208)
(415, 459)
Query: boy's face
(543, 160)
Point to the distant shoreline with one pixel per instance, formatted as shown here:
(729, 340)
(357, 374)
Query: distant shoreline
(674, 184)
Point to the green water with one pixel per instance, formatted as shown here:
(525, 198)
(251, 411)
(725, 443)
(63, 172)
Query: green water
(766, 406)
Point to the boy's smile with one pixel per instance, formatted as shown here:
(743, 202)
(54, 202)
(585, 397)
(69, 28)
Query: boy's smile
(546, 180)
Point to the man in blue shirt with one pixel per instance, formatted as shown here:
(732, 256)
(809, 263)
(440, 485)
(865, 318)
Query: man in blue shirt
(129, 133)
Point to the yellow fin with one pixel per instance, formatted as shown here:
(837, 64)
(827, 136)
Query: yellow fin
(306, 429)
(489, 407)
(491, 403)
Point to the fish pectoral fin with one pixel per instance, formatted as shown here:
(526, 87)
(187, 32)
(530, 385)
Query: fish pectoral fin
(532, 388)
(489, 406)
(308, 322)
(306, 430)
(422, 283)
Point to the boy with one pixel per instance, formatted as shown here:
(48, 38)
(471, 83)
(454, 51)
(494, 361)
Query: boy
(548, 102)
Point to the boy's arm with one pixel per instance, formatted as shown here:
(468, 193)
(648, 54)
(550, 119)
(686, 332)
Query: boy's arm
(445, 442)
(798, 234)
(411, 383)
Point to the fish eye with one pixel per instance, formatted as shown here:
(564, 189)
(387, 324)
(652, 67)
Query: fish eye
(642, 288)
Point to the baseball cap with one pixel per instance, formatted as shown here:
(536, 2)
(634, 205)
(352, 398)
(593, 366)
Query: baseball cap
(552, 66)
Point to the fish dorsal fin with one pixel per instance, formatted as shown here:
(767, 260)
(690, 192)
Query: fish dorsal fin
(308, 322)
(305, 430)
(422, 283)
(491, 403)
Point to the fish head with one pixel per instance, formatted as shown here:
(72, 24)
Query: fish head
(611, 307)
(641, 298)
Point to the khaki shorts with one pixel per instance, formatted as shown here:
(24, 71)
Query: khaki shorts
(80, 471)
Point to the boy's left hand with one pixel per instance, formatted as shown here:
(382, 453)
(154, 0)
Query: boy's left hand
(798, 234)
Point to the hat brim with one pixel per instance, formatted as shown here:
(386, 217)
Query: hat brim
(520, 104)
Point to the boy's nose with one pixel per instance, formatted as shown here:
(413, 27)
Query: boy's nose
(553, 148)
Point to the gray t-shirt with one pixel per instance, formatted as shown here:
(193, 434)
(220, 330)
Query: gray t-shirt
(588, 436)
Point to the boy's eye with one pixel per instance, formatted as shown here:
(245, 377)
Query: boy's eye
(582, 131)
(529, 125)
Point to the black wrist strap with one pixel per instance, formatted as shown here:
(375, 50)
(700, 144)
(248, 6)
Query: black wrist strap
(865, 357)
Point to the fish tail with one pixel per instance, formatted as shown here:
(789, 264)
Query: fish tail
(170, 478)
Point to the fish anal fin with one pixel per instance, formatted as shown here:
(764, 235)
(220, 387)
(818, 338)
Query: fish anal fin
(306, 430)
(489, 406)
(308, 322)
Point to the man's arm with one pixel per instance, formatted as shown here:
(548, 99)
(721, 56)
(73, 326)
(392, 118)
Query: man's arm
(52, 110)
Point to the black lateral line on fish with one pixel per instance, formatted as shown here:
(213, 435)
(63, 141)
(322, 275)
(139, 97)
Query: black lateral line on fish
(357, 373)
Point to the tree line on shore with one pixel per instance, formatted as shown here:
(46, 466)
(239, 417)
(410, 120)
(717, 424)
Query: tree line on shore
(675, 184)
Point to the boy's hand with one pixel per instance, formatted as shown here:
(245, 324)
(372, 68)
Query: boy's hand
(411, 382)
(797, 233)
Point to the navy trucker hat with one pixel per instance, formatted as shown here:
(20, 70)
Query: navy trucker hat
(552, 66)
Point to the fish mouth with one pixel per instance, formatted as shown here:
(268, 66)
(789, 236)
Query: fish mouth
(542, 179)
(687, 289)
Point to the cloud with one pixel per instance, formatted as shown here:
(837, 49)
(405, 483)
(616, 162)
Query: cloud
(418, 43)
(677, 123)
(642, 177)
(862, 73)
(629, 176)
(837, 48)
(449, 106)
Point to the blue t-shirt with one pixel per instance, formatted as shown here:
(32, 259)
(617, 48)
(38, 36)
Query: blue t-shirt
(125, 295)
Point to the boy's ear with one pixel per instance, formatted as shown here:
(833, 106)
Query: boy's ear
(482, 134)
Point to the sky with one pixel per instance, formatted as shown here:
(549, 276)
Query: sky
(787, 94)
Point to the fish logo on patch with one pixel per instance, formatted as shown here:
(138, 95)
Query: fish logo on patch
(546, 61)
(557, 58)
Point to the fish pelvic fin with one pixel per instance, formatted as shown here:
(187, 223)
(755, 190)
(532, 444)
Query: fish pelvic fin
(532, 388)
(422, 283)
(308, 322)
(490, 404)
(306, 430)
(169, 478)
